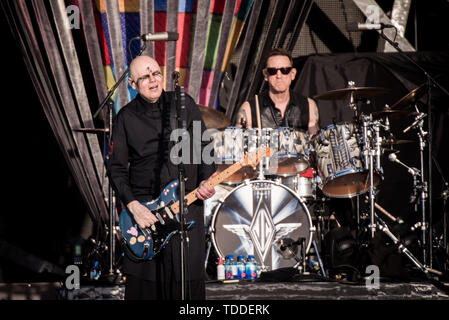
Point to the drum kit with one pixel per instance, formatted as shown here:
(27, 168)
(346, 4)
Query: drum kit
(273, 211)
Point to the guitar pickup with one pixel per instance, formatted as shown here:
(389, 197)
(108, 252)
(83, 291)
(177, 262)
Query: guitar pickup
(168, 212)
(161, 220)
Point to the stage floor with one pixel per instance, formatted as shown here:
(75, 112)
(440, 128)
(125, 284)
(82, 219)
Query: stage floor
(244, 290)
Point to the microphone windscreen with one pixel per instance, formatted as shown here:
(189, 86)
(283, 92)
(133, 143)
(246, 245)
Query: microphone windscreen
(352, 26)
(172, 36)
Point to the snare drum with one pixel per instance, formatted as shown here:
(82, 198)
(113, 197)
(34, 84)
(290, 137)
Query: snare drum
(340, 162)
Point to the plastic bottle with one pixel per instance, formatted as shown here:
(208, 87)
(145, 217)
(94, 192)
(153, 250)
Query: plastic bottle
(241, 269)
(95, 272)
(220, 269)
(229, 266)
(251, 267)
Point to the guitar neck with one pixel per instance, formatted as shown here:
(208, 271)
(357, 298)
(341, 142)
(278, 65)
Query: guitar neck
(191, 197)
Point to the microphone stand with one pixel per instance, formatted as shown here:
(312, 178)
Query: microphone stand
(430, 81)
(112, 199)
(182, 124)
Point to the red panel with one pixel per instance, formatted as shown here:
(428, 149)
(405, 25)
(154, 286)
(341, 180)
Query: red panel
(217, 6)
(183, 43)
(160, 25)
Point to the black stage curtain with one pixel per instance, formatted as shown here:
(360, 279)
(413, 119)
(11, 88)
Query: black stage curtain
(322, 73)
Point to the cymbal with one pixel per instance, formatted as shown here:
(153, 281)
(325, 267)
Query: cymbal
(392, 141)
(357, 92)
(393, 114)
(214, 119)
(92, 130)
(410, 98)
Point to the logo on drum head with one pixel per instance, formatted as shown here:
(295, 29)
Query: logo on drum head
(262, 232)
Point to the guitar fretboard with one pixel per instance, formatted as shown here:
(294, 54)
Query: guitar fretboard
(191, 197)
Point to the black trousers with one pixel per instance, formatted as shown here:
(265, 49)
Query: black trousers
(140, 289)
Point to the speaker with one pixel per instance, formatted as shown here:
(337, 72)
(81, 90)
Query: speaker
(340, 251)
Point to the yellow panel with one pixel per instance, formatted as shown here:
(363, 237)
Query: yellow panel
(124, 5)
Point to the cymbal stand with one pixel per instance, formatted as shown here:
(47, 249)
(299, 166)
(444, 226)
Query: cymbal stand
(422, 186)
(382, 226)
(371, 130)
(352, 102)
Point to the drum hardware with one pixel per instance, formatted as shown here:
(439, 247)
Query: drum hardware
(420, 186)
(382, 226)
(371, 129)
(288, 249)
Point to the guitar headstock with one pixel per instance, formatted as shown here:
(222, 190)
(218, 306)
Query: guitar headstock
(253, 158)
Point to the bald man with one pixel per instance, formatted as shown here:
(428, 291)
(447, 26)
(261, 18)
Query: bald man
(140, 167)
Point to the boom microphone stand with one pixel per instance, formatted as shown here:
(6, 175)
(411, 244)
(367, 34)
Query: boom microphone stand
(182, 125)
(112, 199)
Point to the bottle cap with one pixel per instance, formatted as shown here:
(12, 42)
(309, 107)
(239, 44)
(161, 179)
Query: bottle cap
(220, 260)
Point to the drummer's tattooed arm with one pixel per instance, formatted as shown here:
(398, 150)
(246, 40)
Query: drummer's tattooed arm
(314, 115)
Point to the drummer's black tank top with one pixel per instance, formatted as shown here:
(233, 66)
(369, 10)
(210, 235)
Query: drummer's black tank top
(296, 115)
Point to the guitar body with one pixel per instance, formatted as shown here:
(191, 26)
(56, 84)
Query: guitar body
(145, 244)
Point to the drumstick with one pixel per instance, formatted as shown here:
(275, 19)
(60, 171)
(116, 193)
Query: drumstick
(385, 212)
(258, 115)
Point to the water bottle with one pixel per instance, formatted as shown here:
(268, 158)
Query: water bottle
(95, 272)
(241, 269)
(229, 266)
(220, 269)
(251, 267)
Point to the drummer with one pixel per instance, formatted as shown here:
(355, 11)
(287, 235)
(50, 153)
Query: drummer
(279, 106)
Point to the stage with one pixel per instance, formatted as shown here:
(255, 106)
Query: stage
(244, 290)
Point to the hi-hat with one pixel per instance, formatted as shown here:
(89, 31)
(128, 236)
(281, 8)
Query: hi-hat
(356, 92)
(92, 130)
(410, 98)
(393, 114)
(214, 119)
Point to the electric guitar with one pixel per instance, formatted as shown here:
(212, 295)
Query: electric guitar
(146, 243)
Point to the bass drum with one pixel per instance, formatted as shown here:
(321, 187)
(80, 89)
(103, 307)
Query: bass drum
(256, 218)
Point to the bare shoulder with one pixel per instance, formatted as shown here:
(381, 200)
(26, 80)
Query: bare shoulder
(313, 109)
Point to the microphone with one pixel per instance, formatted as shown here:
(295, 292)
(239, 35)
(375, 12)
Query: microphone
(176, 75)
(418, 119)
(357, 26)
(393, 158)
(160, 36)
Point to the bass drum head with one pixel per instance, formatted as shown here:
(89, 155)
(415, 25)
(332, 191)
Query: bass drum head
(255, 217)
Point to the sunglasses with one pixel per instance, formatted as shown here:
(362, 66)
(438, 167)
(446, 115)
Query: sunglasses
(273, 71)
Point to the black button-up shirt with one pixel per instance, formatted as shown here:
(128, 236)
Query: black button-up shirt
(139, 165)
